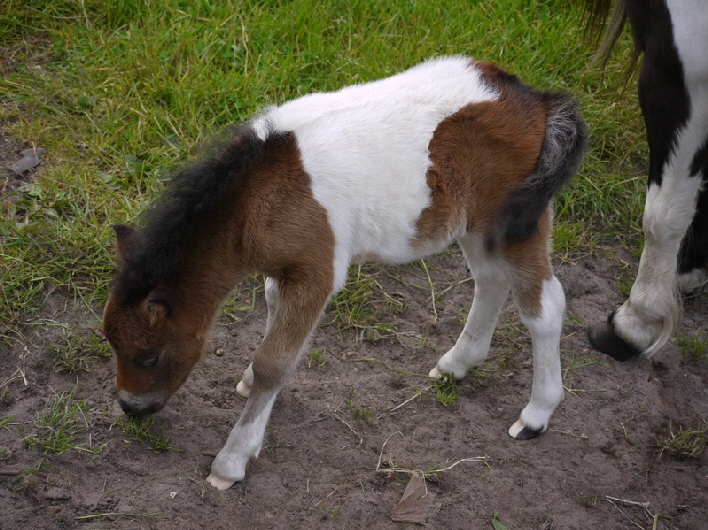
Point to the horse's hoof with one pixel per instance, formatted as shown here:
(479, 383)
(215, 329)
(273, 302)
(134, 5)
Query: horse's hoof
(243, 389)
(519, 431)
(435, 373)
(604, 338)
(220, 483)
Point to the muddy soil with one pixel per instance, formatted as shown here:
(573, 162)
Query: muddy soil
(357, 420)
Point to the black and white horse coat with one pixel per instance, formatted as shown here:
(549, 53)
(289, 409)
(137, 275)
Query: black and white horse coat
(672, 35)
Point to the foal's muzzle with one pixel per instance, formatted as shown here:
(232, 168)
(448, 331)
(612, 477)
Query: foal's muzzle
(142, 404)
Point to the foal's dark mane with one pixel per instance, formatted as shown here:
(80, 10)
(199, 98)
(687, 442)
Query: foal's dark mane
(193, 192)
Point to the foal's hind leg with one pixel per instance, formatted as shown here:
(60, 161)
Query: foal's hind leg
(491, 288)
(540, 300)
(271, 297)
(300, 303)
(545, 327)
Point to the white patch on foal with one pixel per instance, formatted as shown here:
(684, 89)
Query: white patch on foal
(351, 138)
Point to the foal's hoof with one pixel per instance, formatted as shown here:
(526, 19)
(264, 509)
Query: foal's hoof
(243, 389)
(520, 431)
(604, 338)
(220, 483)
(435, 373)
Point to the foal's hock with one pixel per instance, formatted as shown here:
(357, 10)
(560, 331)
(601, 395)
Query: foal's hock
(389, 171)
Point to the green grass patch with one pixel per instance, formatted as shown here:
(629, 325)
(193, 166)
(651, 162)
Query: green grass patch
(25, 478)
(364, 305)
(5, 421)
(683, 444)
(358, 412)
(694, 346)
(317, 358)
(77, 350)
(120, 93)
(142, 430)
(445, 390)
(497, 524)
(62, 420)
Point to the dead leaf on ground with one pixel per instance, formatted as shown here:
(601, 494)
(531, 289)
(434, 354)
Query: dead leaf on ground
(416, 503)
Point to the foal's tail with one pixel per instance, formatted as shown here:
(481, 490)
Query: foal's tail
(560, 159)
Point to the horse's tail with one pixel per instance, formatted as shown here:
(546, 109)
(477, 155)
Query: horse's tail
(605, 21)
(560, 158)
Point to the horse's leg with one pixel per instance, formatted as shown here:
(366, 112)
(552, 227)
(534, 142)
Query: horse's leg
(491, 288)
(673, 93)
(301, 299)
(271, 297)
(693, 256)
(540, 300)
(545, 328)
(646, 320)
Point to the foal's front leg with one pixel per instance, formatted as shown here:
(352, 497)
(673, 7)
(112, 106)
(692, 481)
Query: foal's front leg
(299, 305)
(271, 297)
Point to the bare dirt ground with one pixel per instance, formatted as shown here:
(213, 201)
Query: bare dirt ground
(359, 413)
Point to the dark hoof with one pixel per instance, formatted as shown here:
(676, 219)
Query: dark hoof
(604, 339)
(519, 431)
(527, 434)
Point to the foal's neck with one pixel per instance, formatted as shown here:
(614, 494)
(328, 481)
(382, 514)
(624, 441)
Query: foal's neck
(212, 266)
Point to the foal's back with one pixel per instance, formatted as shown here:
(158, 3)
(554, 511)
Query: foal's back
(406, 164)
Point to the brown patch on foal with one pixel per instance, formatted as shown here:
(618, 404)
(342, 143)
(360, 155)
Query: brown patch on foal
(531, 264)
(287, 235)
(479, 155)
(267, 221)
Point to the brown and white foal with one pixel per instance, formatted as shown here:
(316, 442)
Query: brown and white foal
(390, 171)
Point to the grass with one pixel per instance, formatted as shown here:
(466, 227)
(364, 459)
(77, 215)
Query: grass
(684, 444)
(497, 524)
(59, 423)
(143, 431)
(693, 346)
(77, 350)
(318, 358)
(121, 92)
(445, 390)
(364, 305)
(359, 413)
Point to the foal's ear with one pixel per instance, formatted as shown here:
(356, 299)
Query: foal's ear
(157, 309)
(128, 240)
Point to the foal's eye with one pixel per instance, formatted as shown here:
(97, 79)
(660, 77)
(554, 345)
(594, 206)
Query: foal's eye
(148, 361)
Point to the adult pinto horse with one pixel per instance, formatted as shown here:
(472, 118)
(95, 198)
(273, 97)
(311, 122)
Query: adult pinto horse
(390, 171)
(672, 35)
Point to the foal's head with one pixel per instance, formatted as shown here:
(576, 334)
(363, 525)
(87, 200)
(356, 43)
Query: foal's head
(156, 338)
